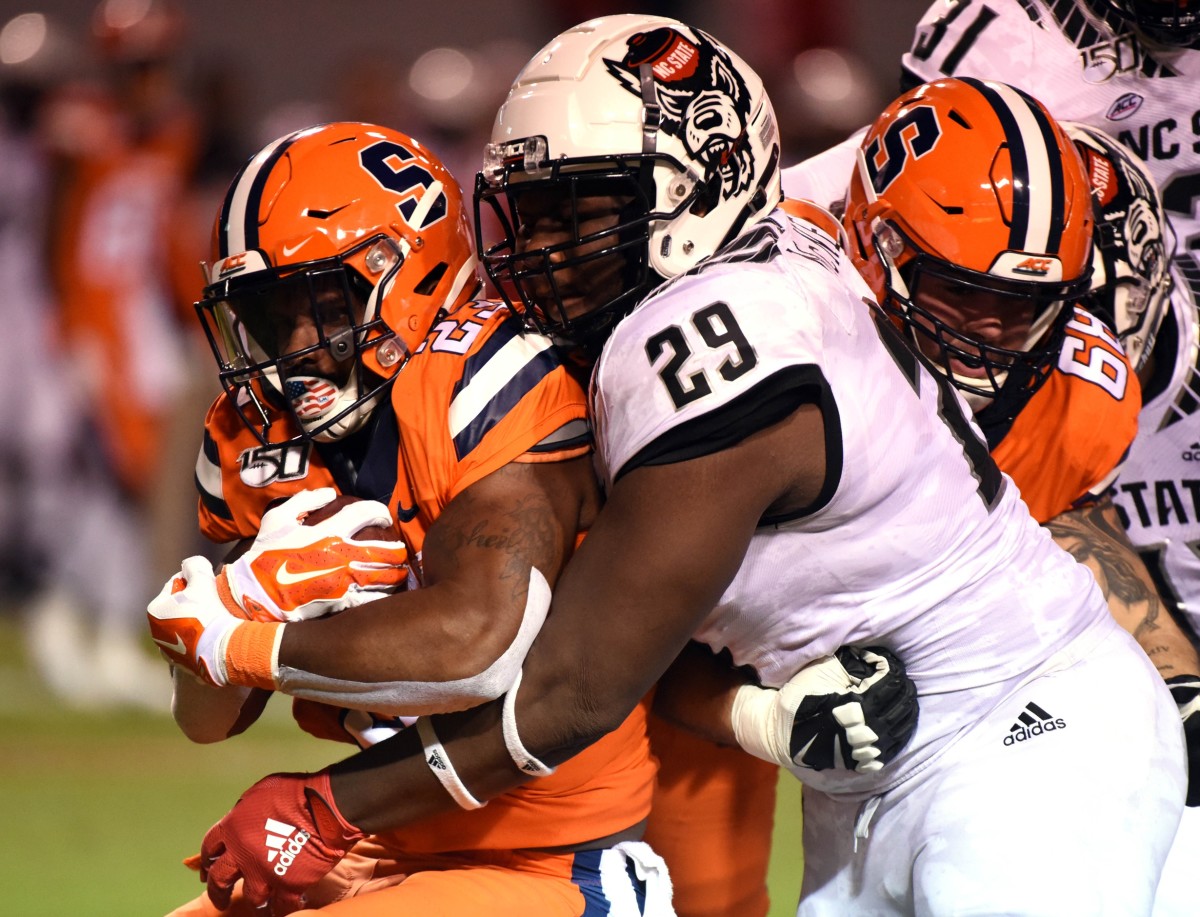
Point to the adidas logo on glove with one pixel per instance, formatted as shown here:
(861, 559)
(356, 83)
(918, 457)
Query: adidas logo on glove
(284, 843)
(1033, 721)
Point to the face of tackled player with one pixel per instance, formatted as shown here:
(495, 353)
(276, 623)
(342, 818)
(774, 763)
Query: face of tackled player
(306, 324)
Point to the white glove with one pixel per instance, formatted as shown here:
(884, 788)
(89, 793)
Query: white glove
(191, 624)
(855, 709)
(294, 571)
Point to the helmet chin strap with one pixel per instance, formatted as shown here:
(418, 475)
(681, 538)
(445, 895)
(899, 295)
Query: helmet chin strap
(651, 110)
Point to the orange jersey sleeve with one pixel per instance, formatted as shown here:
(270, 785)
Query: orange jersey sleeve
(239, 478)
(1069, 441)
(476, 396)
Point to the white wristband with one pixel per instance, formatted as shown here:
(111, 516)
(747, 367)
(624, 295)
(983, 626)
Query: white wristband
(517, 751)
(439, 763)
(757, 724)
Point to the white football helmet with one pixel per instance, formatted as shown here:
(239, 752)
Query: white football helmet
(1131, 281)
(643, 110)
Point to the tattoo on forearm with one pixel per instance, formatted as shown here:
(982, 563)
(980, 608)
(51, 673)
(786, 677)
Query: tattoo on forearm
(526, 532)
(1093, 540)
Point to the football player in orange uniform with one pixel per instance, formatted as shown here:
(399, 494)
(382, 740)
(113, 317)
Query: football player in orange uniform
(1051, 389)
(122, 152)
(342, 251)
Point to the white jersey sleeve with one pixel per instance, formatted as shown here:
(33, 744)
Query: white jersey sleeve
(824, 178)
(707, 361)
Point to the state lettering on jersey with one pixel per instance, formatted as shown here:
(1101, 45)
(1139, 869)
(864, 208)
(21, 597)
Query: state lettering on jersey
(266, 465)
(1167, 502)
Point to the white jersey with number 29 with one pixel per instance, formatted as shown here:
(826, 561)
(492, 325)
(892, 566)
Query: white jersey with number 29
(917, 542)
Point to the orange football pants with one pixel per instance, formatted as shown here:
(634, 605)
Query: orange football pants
(712, 818)
(373, 881)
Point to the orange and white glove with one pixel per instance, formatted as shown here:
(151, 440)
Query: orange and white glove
(294, 571)
(191, 624)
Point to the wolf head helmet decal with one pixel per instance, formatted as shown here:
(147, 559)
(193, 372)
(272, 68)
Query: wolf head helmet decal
(702, 98)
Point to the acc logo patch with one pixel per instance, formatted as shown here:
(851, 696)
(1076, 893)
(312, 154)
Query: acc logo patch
(1039, 267)
(264, 465)
(1124, 107)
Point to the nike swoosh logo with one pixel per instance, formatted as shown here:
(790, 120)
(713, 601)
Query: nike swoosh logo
(288, 252)
(287, 578)
(179, 648)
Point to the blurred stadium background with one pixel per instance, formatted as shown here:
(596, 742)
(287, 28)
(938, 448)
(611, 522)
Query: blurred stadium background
(102, 797)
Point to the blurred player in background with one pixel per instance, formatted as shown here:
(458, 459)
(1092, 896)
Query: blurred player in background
(341, 251)
(40, 423)
(122, 149)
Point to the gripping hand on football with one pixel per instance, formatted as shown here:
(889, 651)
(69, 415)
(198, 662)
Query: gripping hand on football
(191, 624)
(281, 837)
(1186, 691)
(854, 710)
(294, 571)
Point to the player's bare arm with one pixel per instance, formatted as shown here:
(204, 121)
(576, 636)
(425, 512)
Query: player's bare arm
(669, 541)
(206, 713)
(696, 693)
(476, 561)
(1094, 537)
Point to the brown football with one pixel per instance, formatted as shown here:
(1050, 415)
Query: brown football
(369, 533)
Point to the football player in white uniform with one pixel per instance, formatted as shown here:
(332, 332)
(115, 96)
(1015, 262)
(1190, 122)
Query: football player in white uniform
(785, 477)
(1132, 69)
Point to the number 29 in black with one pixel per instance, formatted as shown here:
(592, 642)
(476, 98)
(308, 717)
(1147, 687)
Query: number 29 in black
(717, 327)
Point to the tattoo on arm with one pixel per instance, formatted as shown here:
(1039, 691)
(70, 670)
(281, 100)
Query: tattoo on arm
(525, 530)
(1094, 537)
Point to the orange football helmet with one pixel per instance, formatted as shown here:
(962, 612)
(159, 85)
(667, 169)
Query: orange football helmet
(972, 184)
(335, 250)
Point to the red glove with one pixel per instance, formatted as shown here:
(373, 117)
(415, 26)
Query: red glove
(280, 839)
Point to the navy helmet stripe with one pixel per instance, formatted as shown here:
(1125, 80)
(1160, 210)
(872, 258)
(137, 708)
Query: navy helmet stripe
(1058, 182)
(1037, 224)
(238, 230)
(1019, 227)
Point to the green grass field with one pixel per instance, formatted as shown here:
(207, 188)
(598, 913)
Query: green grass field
(99, 808)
